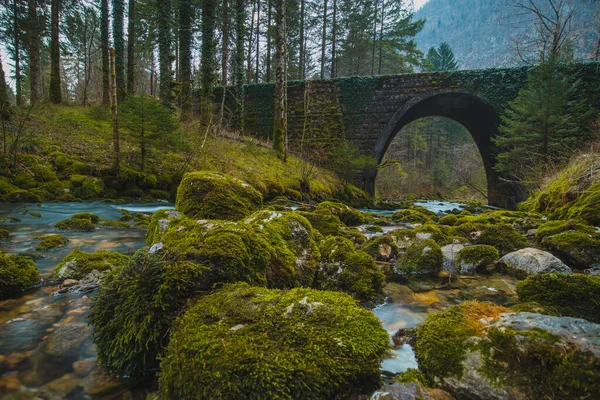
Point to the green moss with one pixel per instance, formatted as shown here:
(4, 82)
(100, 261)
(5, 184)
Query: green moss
(115, 224)
(435, 232)
(353, 234)
(294, 247)
(78, 264)
(535, 307)
(381, 248)
(61, 161)
(502, 236)
(17, 272)
(442, 341)
(374, 229)
(21, 196)
(550, 228)
(570, 295)
(90, 188)
(52, 242)
(478, 255)
(411, 216)
(537, 366)
(4, 235)
(422, 257)
(326, 223)
(77, 180)
(576, 248)
(212, 195)
(448, 220)
(256, 343)
(133, 311)
(348, 215)
(75, 225)
(411, 375)
(93, 218)
(159, 222)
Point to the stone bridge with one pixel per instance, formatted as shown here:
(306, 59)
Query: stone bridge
(370, 111)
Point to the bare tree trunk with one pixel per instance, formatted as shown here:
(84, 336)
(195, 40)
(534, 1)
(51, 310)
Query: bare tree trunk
(113, 110)
(324, 39)
(17, 45)
(55, 86)
(34, 52)
(333, 39)
(185, 63)
(257, 40)
(250, 35)
(225, 45)
(105, 56)
(301, 58)
(131, 49)
(381, 39)
(280, 128)
(268, 60)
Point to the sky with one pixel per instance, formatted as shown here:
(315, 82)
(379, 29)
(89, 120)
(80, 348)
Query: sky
(419, 3)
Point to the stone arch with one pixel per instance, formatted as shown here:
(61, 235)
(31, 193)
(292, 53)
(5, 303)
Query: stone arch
(475, 114)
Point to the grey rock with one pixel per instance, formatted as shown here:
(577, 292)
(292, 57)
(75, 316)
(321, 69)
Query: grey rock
(409, 391)
(531, 261)
(450, 252)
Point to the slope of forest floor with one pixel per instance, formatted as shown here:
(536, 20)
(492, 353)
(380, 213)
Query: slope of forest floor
(65, 153)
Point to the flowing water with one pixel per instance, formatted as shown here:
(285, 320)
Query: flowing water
(45, 343)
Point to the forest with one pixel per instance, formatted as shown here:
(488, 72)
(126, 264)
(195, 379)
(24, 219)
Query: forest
(164, 236)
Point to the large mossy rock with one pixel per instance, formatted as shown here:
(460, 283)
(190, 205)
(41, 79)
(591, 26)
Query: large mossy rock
(551, 228)
(502, 236)
(348, 215)
(482, 351)
(577, 248)
(568, 295)
(421, 258)
(381, 248)
(532, 261)
(212, 195)
(412, 216)
(49, 242)
(473, 258)
(324, 221)
(345, 269)
(255, 343)
(77, 264)
(17, 272)
(133, 311)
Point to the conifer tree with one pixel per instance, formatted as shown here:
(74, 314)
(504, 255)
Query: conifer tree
(131, 38)
(118, 8)
(441, 59)
(208, 62)
(55, 85)
(185, 48)
(164, 51)
(104, 52)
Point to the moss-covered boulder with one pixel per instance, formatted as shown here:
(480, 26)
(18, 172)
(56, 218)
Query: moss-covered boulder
(324, 221)
(421, 258)
(21, 196)
(354, 234)
(551, 228)
(381, 248)
(75, 225)
(158, 224)
(49, 242)
(93, 218)
(568, 295)
(576, 248)
(78, 264)
(438, 233)
(17, 272)
(89, 188)
(211, 195)
(348, 215)
(294, 247)
(133, 311)
(4, 235)
(448, 220)
(473, 258)
(411, 216)
(255, 343)
(502, 236)
(345, 269)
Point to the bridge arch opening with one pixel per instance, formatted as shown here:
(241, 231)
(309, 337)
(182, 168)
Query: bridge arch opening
(477, 116)
(432, 157)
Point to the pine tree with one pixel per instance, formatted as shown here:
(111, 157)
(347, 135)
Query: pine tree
(185, 48)
(104, 22)
(544, 125)
(441, 59)
(55, 85)
(131, 37)
(208, 62)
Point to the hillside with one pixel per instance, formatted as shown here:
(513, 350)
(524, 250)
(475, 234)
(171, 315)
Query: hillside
(483, 33)
(67, 154)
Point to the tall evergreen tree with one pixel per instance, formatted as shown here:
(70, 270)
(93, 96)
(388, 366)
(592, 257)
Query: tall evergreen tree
(164, 50)
(185, 58)
(118, 9)
(238, 62)
(545, 124)
(131, 39)
(104, 22)
(280, 128)
(225, 44)
(441, 59)
(55, 80)
(324, 40)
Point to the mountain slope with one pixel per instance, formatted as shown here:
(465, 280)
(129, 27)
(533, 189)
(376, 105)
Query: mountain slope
(483, 33)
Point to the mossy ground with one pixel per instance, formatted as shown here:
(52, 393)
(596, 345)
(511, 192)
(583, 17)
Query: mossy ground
(17, 273)
(256, 343)
(67, 159)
